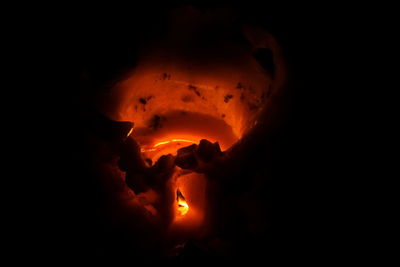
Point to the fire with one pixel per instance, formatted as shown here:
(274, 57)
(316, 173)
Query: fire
(183, 207)
(167, 145)
(173, 140)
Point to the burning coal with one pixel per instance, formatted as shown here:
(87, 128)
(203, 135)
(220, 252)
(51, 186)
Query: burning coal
(183, 207)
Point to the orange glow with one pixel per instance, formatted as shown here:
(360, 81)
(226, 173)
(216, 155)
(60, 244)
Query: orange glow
(189, 211)
(129, 133)
(173, 140)
(183, 207)
(169, 145)
(180, 92)
(161, 93)
(176, 99)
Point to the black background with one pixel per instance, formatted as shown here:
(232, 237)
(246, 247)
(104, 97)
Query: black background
(305, 222)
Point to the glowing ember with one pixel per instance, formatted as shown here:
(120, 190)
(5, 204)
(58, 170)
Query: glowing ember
(166, 146)
(129, 133)
(173, 140)
(183, 207)
(163, 145)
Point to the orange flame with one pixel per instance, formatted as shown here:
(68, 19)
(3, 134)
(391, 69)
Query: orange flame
(183, 207)
(173, 140)
(161, 143)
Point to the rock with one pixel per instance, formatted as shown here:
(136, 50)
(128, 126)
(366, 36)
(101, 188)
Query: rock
(130, 157)
(186, 158)
(136, 182)
(208, 151)
(158, 175)
(164, 164)
(107, 129)
(200, 158)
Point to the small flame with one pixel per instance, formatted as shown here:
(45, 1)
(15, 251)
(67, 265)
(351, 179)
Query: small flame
(183, 207)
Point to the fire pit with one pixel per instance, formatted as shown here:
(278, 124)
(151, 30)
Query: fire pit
(195, 100)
